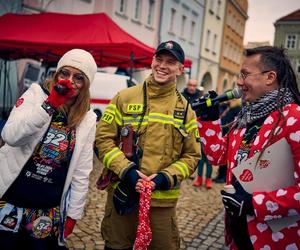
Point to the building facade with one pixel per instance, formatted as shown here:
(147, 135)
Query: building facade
(232, 43)
(287, 34)
(182, 22)
(208, 68)
(140, 18)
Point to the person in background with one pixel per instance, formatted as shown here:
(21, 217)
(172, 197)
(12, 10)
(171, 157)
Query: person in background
(47, 157)
(270, 113)
(191, 93)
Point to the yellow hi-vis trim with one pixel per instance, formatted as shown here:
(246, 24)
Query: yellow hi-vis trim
(208, 102)
(191, 125)
(108, 157)
(182, 167)
(112, 108)
(165, 194)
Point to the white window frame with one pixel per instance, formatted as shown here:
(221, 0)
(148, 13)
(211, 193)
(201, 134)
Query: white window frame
(287, 41)
(137, 10)
(183, 26)
(193, 29)
(172, 19)
(150, 16)
(208, 32)
(123, 9)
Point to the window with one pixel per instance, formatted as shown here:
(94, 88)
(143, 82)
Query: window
(172, 18)
(122, 6)
(290, 41)
(207, 40)
(182, 30)
(192, 36)
(298, 67)
(137, 10)
(218, 8)
(211, 6)
(150, 12)
(214, 49)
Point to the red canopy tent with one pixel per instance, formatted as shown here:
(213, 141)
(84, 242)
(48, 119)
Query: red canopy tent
(47, 36)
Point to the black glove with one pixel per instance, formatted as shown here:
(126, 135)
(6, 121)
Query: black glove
(161, 182)
(125, 197)
(239, 203)
(131, 177)
(211, 113)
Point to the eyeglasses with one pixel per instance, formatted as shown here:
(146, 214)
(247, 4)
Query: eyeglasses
(243, 76)
(77, 78)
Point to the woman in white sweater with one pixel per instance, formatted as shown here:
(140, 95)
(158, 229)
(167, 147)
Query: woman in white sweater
(47, 157)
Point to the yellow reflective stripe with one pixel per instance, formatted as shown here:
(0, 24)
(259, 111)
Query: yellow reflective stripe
(108, 157)
(183, 168)
(191, 125)
(112, 108)
(115, 184)
(166, 194)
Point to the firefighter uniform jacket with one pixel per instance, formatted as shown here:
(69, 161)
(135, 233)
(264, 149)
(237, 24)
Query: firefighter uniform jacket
(169, 145)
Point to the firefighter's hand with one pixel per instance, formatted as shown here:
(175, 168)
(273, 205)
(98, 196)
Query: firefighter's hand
(160, 182)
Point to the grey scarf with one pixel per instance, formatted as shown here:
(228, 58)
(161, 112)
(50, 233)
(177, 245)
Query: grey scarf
(263, 107)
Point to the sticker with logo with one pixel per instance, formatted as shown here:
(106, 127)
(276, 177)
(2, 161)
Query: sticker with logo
(41, 227)
(179, 114)
(19, 102)
(197, 135)
(134, 108)
(108, 117)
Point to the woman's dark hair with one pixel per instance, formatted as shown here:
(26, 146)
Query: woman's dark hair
(274, 58)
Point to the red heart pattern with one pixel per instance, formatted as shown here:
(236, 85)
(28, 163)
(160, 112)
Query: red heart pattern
(246, 176)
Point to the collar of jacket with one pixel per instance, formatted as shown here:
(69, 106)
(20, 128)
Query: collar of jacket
(155, 90)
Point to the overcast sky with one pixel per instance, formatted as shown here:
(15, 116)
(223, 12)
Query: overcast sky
(262, 15)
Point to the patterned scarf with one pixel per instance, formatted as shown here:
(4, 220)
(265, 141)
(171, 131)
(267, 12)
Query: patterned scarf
(263, 107)
(144, 233)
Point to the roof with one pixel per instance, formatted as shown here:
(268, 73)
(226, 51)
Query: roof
(47, 36)
(294, 16)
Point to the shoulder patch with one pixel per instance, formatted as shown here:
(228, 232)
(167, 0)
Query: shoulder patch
(178, 114)
(108, 117)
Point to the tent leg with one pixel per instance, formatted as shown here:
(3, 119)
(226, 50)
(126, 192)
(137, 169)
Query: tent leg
(131, 66)
(4, 91)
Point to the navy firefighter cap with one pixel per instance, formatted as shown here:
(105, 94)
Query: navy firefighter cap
(172, 47)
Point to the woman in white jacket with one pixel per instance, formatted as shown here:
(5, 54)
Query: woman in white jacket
(47, 157)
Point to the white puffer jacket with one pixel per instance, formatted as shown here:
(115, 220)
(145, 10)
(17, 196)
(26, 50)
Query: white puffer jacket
(25, 126)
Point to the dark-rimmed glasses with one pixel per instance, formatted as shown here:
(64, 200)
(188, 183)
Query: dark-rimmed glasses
(243, 76)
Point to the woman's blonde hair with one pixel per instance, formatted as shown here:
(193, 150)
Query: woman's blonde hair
(75, 112)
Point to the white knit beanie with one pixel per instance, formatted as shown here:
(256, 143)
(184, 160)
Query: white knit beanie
(79, 59)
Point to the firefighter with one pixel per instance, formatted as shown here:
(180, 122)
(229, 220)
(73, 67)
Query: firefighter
(148, 132)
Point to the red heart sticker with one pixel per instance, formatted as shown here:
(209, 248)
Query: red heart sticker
(246, 176)
(19, 102)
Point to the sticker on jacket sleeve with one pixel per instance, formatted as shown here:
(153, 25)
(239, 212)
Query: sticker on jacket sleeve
(179, 114)
(197, 135)
(108, 117)
(19, 102)
(134, 108)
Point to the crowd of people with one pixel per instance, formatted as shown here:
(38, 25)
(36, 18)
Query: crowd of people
(149, 140)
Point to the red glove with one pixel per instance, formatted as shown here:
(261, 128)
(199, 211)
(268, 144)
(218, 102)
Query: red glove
(56, 97)
(69, 226)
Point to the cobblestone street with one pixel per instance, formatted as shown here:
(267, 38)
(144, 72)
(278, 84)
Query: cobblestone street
(199, 211)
